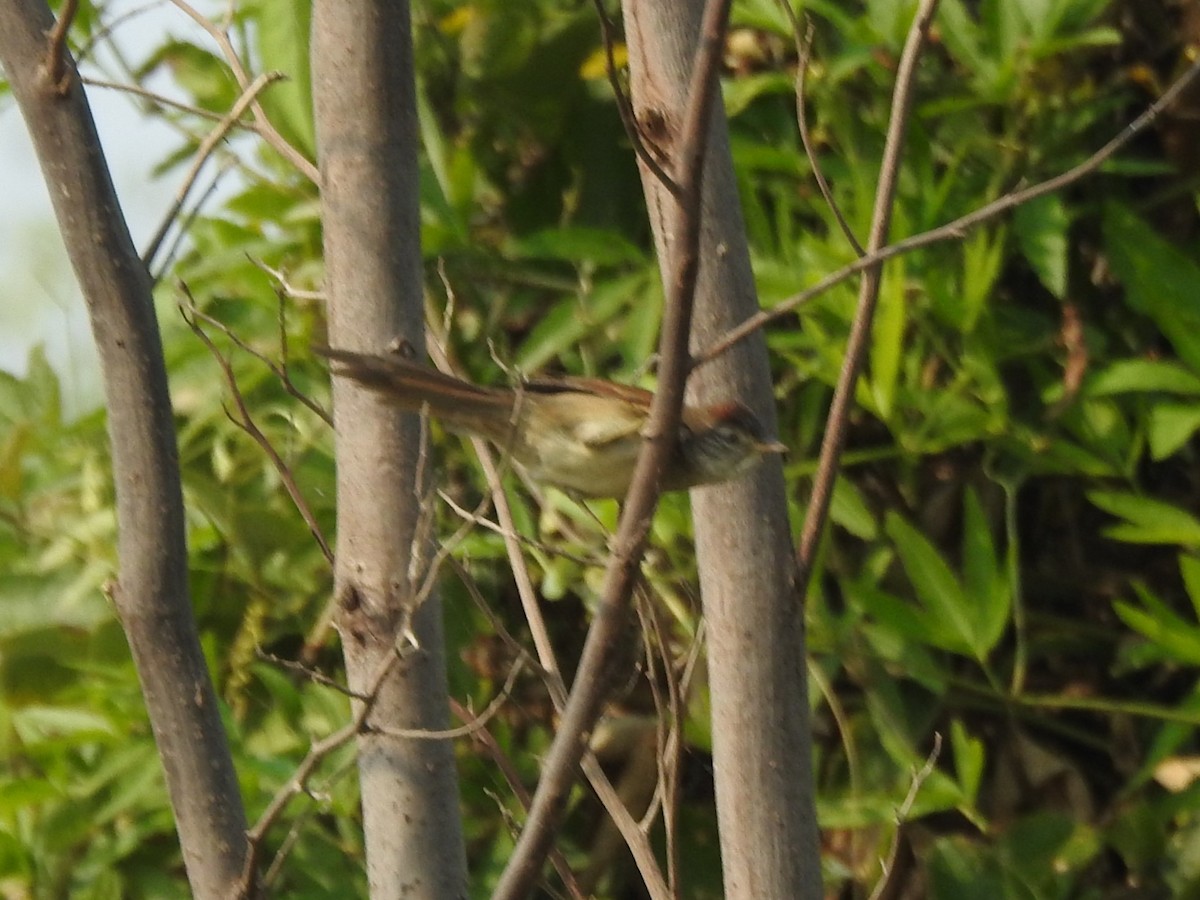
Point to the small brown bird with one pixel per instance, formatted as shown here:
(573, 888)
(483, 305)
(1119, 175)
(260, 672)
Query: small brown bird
(579, 434)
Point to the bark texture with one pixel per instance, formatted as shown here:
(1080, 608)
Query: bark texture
(151, 592)
(761, 741)
(366, 113)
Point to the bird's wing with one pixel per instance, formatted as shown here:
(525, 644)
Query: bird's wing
(600, 432)
(622, 413)
(597, 387)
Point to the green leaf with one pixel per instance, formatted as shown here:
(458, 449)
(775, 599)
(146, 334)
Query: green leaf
(33, 602)
(983, 579)
(568, 321)
(1041, 231)
(283, 28)
(887, 340)
(596, 245)
(983, 258)
(1159, 278)
(1177, 638)
(1147, 521)
(850, 510)
(1171, 425)
(936, 587)
(969, 757)
(1189, 569)
(1131, 376)
(35, 724)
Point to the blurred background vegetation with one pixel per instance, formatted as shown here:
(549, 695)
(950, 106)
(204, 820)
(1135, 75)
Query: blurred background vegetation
(1014, 558)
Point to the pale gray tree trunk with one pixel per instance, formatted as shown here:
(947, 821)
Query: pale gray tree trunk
(366, 116)
(761, 742)
(151, 591)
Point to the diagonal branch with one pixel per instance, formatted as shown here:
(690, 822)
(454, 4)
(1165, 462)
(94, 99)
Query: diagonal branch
(956, 230)
(860, 330)
(593, 675)
(207, 146)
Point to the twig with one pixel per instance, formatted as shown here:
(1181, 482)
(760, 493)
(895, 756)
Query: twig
(467, 730)
(593, 674)
(306, 671)
(104, 30)
(958, 228)
(154, 98)
(205, 149)
(265, 129)
(293, 292)
(246, 423)
(496, 528)
(277, 370)
(905, 808)
(184, 220)
(296, 784)
(625, 108)
(509, 771)
(803, 52)
(844, 728)
(860, 330)
(56, 48)
(636, 840)
(669, 756)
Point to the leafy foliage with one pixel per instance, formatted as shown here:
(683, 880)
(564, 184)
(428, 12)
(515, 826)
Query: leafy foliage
(1013, 557)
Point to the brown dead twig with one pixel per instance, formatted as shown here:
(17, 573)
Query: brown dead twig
(55, 65)
(803, 41)
(243, 420)
(263, 125)
(860, 330)
(914, 788)
(203, 152)
(625, 107)
(591, 681)
(959, 228)
(635, 838)
(304, 771)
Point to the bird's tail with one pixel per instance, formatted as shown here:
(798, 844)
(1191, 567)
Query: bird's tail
(457, 404)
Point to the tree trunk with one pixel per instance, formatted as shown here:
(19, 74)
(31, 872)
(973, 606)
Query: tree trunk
(761, 742)
(151, 590)
(366, 114)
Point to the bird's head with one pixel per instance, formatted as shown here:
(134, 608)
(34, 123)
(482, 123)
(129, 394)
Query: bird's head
(725, 444)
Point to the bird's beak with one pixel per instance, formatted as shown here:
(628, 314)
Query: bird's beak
(771, 447)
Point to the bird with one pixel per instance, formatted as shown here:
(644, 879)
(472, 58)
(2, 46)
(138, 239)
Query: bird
(582, 435)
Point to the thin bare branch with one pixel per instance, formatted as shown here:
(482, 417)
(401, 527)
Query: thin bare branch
(509, 771)
(803, 55)
(185, 219)
(294, 293)
(305, 671)
(914, 788)
(246, 422)
(105, 28)
(207, 146)
(593, 675)
(467, 730)
(156, 99)
(299, 780)
(264, 127)
(624, 107)
(635, 839)
(960, 227)
(56, 48)
(860, 330)
(496, 528)
(279, 371)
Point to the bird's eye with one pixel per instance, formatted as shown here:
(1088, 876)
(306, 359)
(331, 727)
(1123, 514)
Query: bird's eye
(728, 434)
